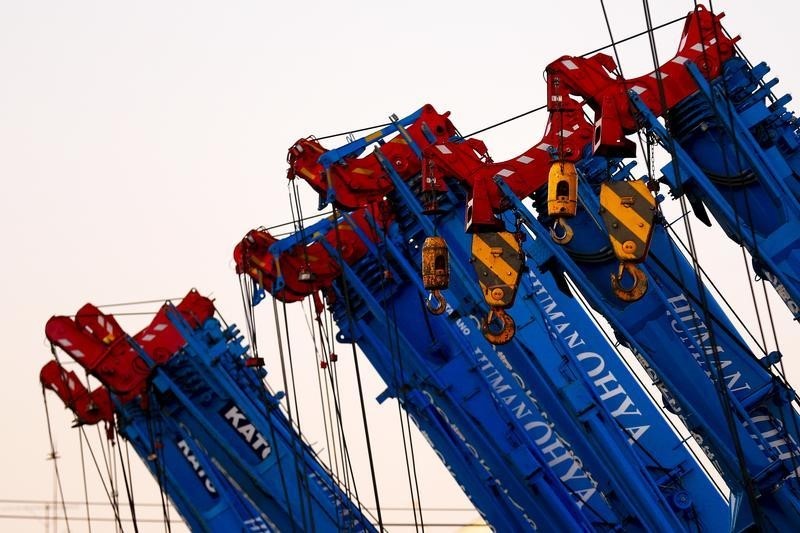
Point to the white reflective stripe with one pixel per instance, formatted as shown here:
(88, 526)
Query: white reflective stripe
(77, 353)
(71, 384)
(524, 159)
(544, 146)
(565, 133)
(101, 320)
(655, 75)
(575, 127)
(443, 149)
(569, 64)
(64, 343)
(637, 89)
(698, 47)
(713, 41)
(148, 337)
(159, 327)
(505, 172)
(680, 60)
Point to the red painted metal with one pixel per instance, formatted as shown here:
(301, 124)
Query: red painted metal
(97, 342)
(89, 407)
(362, 181)
(318, 268)
(359, 181)
(703, 42)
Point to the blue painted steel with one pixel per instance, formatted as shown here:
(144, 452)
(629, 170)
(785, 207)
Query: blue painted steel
(224, 406)
(688, 345)
(205, 499)
(357, 146)
(741, 158)
(587, 413)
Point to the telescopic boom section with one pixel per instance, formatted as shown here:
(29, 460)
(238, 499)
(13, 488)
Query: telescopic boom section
(97, 342)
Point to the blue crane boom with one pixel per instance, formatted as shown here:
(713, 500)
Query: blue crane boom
(205, 499)
(213, 414)
(523, 408)
(530, 407)
(739, 156)
(750, 431)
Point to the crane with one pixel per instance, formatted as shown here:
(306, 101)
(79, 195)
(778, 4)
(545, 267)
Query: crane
(750, 432)
(217, 424)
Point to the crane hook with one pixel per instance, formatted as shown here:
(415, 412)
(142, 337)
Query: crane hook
(506, 332)
(441, 304)
(635, 291)
(566, 234)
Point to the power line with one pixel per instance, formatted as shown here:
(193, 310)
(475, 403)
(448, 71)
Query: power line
(159, 520)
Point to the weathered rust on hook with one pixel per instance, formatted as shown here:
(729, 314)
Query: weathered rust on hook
(566, 232)
(507, 330)
(635, 291)
(441, 304)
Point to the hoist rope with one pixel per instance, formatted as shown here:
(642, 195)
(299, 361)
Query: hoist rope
(707, 280)
(506, 121)
(85, 484)
(299, 456)
(279, 339)
(322, 351)
(399, 384)
(140, 302)
(748, 209)
(604, 47)
(158, 457)
(54, 457)
(114, 507)
(360, 387)
(128, 484)
(333, 380)
(318, 357)
(615, 346)
(247, 288)
(719, 379)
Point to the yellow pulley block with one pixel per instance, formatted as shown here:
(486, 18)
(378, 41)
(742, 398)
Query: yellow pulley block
(498, 260)
(628, 210)
(562, 199)
(562, 190)
(435, 272)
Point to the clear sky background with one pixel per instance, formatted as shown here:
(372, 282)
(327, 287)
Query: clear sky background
(140, 140)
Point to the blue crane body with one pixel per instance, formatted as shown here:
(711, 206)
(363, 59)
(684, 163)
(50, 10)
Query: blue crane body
(740, 157)
(542, 423)
(749, 430)
(224, 404)
(205, 409)
(677, 330)
(579, 382)
(204, 497)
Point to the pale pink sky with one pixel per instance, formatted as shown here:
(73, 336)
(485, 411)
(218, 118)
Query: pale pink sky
(140, 140)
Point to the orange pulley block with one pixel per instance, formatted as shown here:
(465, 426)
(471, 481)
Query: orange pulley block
(435, 272)
(562, 199)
